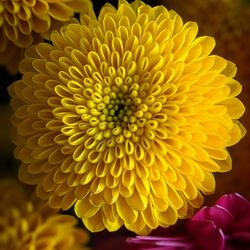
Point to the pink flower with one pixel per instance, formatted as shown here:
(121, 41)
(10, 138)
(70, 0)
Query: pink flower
(228, 221)
(226, 225)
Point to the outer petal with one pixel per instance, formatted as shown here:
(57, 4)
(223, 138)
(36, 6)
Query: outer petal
(239, 207)
(236, 204)
(206, 234)
(218, 215)
(241, 236)
(158, 243)
(243, 224)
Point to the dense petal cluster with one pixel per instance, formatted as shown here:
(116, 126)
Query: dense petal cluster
(224, 226)
(126, 117)
(22, 22)
(227, 21)
(26, 223)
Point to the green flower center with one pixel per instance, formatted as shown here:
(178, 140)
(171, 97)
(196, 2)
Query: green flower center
(121, 107)
(117, 109)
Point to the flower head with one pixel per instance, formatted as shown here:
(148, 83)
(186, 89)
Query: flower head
(27, 223)
(126, 117)
(23, 22)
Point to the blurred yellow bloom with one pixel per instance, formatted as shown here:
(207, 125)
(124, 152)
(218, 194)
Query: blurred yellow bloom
(27, 223)
(126, 117)
(23, 22)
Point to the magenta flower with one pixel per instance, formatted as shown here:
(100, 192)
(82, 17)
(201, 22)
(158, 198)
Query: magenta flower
(225, 223)
(224, 226)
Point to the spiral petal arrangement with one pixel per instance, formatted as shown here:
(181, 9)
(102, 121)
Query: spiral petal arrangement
(125, 117)
(24, 21)
(27, 223)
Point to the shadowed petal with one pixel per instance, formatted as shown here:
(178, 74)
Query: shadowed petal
(236, 204)
(206, 234)
(218, 215)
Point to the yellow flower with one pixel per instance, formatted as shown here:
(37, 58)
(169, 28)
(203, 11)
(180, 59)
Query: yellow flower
(125, 117)
(22, 22)
(27, 223)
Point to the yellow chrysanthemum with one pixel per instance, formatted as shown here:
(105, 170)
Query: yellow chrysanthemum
(27, 223)
(125, 117)
(22, 22)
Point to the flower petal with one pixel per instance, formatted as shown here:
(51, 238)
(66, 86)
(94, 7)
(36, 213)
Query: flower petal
(221, 218)
(206, 234)
(236, 204)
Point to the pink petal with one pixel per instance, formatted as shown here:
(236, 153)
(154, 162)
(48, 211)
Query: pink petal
(241, 236)
(218, 215)
(156, 242)
(161, 238)
(175, 245)
(236, 204)
(243, 224)
(206, 234)
(162, 248)
(137, 240)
